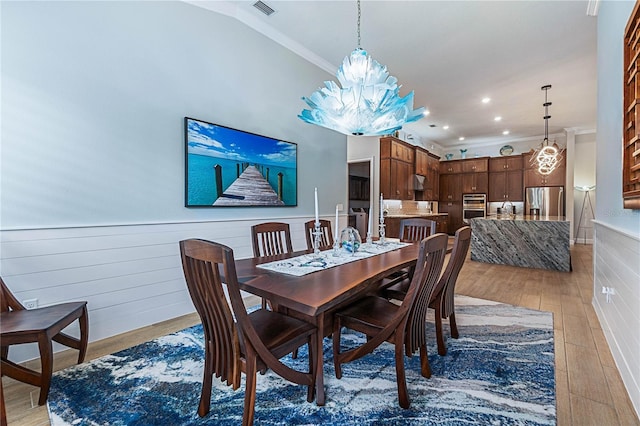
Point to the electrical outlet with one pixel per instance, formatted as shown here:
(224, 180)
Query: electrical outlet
(30, 303)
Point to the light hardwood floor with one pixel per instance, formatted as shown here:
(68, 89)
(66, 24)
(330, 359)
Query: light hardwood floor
(589, 390)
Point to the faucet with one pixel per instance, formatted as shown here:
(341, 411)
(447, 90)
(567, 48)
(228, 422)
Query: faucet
(506, 204)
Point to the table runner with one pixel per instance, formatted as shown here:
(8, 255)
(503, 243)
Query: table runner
(308, 263)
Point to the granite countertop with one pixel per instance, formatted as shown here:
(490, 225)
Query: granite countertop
(526, 218)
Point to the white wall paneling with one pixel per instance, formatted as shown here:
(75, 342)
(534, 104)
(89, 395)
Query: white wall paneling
(620, 318)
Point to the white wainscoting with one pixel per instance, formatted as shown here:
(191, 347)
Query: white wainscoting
(617, 266)
(130, 275)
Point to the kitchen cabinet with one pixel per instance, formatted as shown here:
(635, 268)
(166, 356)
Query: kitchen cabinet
(396, 169)
(359, 188)
(506, 186)
(475, 165)
(533, 178)
(454, 215)
(475, 183)
(451, 187)
(432, 186)
(501, 164)
(454, 166)
(422, 161)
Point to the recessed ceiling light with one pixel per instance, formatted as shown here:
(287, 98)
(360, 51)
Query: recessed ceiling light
(486, 100)
(446, 127)
(497, 118)
(461, 138)
(506, 132)
(426, 112)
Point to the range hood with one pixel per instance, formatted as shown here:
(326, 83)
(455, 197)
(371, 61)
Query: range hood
(418, 182)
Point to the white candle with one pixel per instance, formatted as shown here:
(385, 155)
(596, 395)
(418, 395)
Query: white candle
(316, 205)
(335, 238)
(370, 228)
(381, 208)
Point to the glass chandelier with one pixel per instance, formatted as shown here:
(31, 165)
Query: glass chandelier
(547, 156)
(365, 103)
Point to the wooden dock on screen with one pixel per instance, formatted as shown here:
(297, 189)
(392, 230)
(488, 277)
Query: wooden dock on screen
(250, 188)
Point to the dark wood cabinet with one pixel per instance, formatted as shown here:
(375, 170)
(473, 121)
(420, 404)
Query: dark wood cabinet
(475, 183)
(454, 215)
(451, 187)
(475, 165)
(502, 164)
(454, 166)
(359, 188)
(422, 161)
(506, 186)
(396, 169)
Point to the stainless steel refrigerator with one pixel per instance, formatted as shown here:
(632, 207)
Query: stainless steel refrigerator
(544, 201)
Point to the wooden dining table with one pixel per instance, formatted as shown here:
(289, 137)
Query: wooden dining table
(316, 296)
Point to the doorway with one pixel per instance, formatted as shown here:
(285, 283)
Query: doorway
(360, 190)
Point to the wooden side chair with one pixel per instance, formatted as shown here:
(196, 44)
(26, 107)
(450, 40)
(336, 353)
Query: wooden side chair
(414, 230)
(326, 239)
(41, 326)
(250, 343)
(270, 239)
(404, 326)
(442, 300)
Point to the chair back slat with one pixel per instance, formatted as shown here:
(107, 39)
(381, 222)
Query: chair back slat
(428, 269)
(270, 239)
(414, 230)
(326, 239)
(202, 261)
(450, 276)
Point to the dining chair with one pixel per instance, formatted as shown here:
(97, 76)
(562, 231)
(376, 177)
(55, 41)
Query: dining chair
(270, 239)
(411, 231)
(442, 300)
(326, 239)
(42, 326)
(236, 341)
(402, 325)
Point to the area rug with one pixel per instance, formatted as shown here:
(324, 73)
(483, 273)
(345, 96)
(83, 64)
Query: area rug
(499, 372)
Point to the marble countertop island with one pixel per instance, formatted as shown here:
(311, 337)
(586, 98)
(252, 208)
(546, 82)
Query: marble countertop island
(525, 241)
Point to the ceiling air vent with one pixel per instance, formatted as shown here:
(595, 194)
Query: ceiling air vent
(263, 7)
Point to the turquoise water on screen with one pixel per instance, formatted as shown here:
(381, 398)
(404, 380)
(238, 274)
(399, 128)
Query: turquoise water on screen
(201, 183)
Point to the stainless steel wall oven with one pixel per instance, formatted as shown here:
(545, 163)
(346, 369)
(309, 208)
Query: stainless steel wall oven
(473, 205)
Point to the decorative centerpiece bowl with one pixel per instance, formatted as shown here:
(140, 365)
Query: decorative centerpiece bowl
(350, 239)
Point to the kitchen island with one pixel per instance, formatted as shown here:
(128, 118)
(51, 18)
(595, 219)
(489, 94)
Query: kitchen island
(524, 241)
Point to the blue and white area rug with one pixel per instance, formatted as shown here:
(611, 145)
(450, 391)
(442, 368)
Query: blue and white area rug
(499, 372)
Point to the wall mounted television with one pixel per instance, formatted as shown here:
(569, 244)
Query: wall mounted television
(227, 167)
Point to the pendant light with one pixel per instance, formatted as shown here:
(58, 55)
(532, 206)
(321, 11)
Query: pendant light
(366, 102)
(548, 156)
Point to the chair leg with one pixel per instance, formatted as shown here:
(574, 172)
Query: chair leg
(84, 334)
(3, 411)
(250, 389)
(442, 347)
(46, 360)
(403, 394)
(336, 347)
(454, 327)
(207, 378)
(311, 391)
(294, 354)
(425, 367)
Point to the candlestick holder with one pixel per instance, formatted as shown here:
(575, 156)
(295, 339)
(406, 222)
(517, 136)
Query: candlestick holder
(369, 239)
(381, 227)
(317, 234)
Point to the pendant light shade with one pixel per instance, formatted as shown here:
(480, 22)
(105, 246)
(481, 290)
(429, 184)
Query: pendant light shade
(365, 102)
(547, 156)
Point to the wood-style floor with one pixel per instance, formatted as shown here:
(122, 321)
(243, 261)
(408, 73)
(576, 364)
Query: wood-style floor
(589, 390)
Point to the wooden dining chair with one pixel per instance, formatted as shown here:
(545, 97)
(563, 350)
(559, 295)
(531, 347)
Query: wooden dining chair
(42, 326)
(442, 300)
(270, 239)
(253, 341)
(417, 229)
(404, 325)
(326, 239)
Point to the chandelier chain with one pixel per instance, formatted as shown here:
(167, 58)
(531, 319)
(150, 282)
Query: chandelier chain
(358, 24)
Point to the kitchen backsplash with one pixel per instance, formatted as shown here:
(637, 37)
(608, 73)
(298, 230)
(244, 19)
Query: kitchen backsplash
(399, 207)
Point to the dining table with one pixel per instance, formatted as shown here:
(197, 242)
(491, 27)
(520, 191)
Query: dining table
(315, 297)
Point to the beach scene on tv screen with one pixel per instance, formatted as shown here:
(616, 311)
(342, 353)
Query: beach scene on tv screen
(229, 167)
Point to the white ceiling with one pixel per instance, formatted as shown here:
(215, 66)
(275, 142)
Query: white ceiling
(452, 54)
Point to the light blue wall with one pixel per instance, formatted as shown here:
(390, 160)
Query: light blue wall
(93, 100)
(612, 19)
